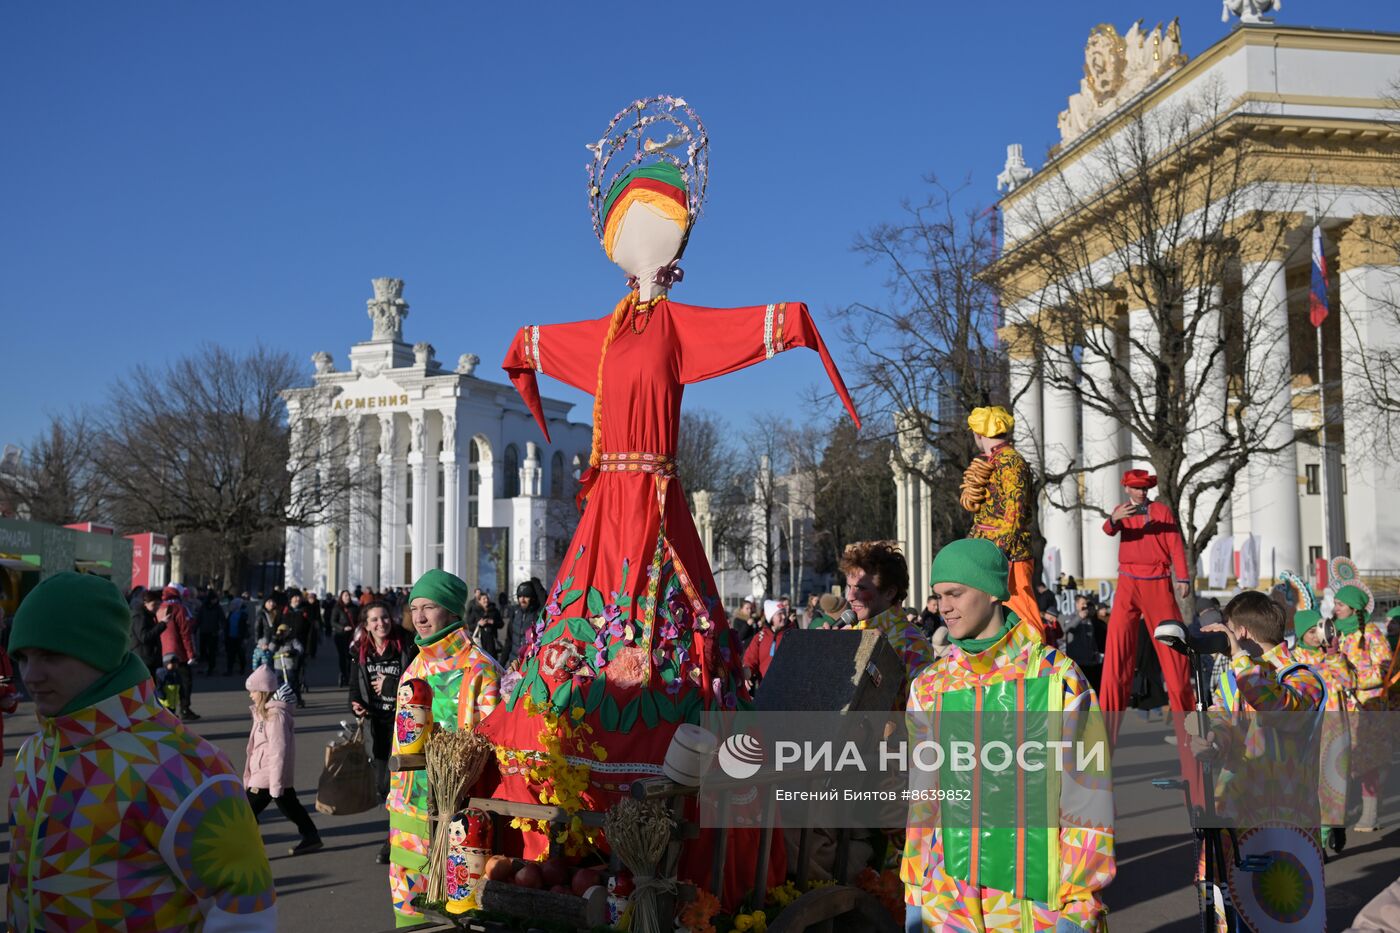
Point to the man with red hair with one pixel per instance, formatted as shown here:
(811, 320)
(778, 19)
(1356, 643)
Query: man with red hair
(1151, 558)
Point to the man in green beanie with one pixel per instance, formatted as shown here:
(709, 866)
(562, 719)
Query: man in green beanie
(998, 662)
(166, 830)
(465, 682)
(1370, 654)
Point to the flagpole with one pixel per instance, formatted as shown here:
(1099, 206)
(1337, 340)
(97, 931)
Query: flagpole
(1322, 449)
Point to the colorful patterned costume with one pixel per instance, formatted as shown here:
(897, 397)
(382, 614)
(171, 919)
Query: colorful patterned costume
(633, 632)
(907, 639)
(1370, 655)
(122, 819)
(1267, 766)
(465, 683)
(969, 877)
(1003, 517)
(1335, 743)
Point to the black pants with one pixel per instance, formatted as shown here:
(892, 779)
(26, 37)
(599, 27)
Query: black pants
(379, 736)
(209, 650)
(185, 678)
(235, 655)
(289, 805)
(342, 656)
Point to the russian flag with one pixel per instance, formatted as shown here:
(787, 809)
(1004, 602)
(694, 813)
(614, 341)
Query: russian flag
(1317, 297)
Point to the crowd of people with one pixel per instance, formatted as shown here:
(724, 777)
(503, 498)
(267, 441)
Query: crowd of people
(100, 681)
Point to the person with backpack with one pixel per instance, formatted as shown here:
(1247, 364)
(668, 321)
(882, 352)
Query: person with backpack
(177, 646)
(380, 655)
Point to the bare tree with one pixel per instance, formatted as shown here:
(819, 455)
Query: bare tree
(56, 479)
(1151, 219)
(853, 490)
(202, 445)
(928, 354)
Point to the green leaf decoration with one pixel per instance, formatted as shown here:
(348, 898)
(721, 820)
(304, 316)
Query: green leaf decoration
(666, 707)
(553, 632)
(539, 691)
(561, 698)
(569, 598)
(649, 712)
(595, 695)
(624, 601)
(629, 715)
(581, 629)
(595, 601)
(690, 707)
(567, 582)
(626, 566)
(610, 714)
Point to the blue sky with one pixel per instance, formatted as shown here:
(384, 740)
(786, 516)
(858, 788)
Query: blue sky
(235, 172)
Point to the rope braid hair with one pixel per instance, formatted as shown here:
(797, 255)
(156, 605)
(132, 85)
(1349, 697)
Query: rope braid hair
(619, 320)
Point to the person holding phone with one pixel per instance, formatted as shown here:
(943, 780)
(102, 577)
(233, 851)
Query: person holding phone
(1152, 575)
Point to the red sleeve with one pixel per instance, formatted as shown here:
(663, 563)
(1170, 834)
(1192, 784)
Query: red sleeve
(568, 352)
(186, 631)
(751, 652)
(717, 341)
(1176, 546)
(1110, 527)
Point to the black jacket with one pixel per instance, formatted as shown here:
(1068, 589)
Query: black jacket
(145, 636)
(391, 664)
(301, 624)
(518, 625)
(342, 618)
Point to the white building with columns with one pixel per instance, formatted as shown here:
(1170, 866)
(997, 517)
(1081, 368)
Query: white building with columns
(445, 469)
(1323, 101)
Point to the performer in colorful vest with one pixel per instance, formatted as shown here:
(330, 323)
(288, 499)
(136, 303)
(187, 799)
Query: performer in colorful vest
(1152, 573)
(1267, 765)
(1339, 677)
(465, 681)
(1364, 645)
(633, 633)
(120, 817)
(996, 489)
(968, 873)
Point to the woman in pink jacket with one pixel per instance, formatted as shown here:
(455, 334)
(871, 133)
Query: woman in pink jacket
(267, 777)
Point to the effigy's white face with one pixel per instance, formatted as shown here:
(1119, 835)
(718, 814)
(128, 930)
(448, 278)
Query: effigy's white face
(646, 241)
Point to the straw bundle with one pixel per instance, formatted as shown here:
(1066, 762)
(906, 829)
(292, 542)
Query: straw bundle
(455, 761)
(639, 832)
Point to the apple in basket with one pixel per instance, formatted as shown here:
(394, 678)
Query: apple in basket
(530, 876)
(586, 878)
(500, 868)
(556, 872)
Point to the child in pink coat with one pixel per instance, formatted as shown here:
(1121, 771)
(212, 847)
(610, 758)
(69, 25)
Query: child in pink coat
(267, 777)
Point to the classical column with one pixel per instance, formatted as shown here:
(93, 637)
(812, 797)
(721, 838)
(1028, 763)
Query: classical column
(1059, 517)
(322, 573)
(1370, 297)
(1274, 511)
(452, 501)
(485, 488)
(391, 528)
(1206, 378)
(1103, 449)
(1142, 343)
(418, 467)
(355, 530)
(901, 511)
(1026, 405)
(919, 568)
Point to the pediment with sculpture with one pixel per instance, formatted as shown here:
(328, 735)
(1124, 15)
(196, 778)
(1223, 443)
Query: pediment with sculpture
(1116, 69)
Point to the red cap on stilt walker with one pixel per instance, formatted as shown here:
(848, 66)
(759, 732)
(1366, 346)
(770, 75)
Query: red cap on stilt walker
(1139, 479)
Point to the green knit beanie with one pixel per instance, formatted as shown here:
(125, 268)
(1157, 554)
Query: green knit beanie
(1353, 596)
(1305, 619)
(974, 562)
(443, 588)
(76, 614)
(1394, 613)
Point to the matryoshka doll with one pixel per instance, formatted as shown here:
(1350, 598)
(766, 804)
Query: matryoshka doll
(413, 722)
(469, 848)
(620, 888)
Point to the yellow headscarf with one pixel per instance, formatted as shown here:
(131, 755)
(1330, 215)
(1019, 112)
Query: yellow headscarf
(991, 421)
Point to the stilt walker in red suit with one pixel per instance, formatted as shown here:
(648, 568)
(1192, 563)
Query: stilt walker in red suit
(1152, 573)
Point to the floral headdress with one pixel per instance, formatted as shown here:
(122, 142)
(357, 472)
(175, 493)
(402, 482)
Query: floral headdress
(653, 131)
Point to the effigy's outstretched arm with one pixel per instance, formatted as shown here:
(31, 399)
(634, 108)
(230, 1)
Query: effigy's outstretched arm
(568, 352)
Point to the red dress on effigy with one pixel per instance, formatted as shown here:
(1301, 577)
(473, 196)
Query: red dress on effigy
(633, 632)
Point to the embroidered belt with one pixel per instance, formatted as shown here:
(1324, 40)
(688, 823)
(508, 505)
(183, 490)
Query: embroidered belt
(634, 462)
